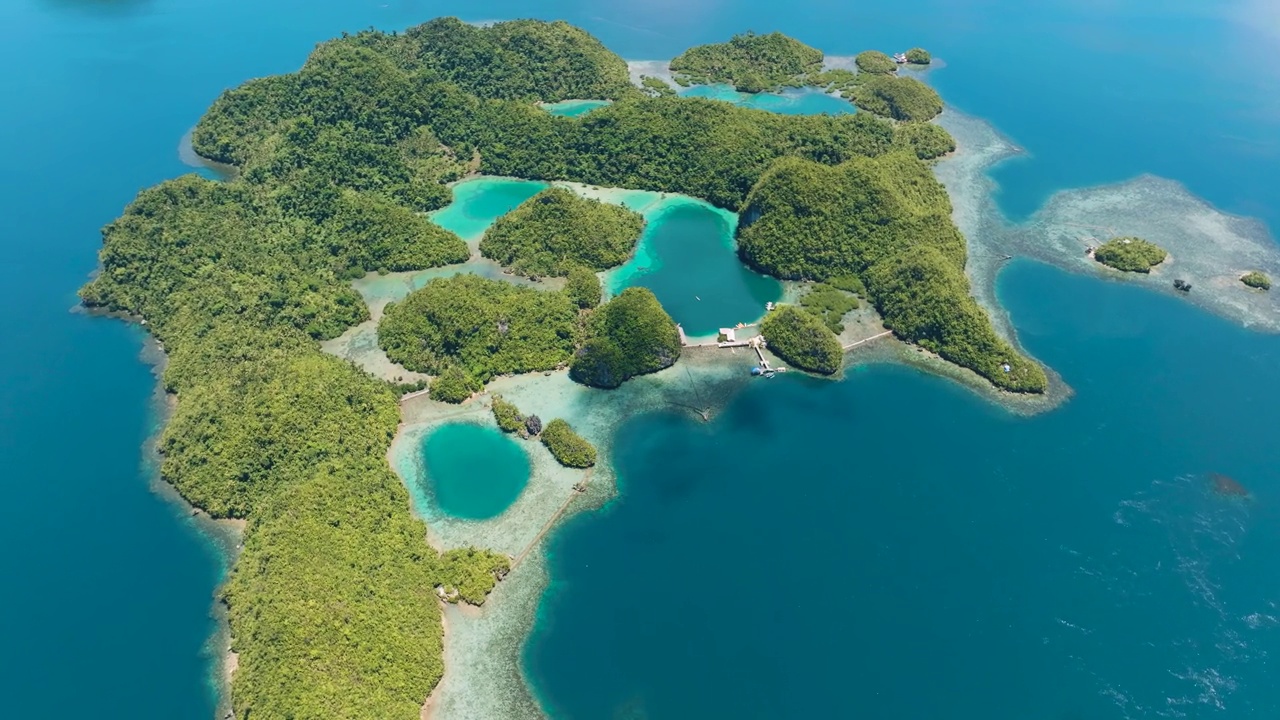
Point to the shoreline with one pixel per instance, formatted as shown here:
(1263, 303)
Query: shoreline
(991, 239)
(223, 537)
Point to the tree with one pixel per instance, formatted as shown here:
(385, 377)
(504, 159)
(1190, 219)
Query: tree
(583, 288)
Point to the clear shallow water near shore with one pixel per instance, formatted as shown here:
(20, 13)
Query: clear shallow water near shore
(1169, 590)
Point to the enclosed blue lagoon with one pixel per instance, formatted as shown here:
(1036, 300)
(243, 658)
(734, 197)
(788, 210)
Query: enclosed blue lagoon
(474, 472)
(574, 108)
(477, 203)
(687, 258)
(790, 102)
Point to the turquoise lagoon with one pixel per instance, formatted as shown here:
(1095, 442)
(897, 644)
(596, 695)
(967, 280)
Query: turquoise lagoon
(899, 548)
(474, 472)
(574, 108)
(681, 234)
(789, 102)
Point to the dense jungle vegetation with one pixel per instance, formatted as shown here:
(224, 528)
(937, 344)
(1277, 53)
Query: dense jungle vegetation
(802, 339)
(919, 56)
(749, 62)
(332, 601)
(556, 230)
(568, 447)
(887, 221)
(899, 98)
(1130, 254)
(926, 140)
(485, 327)
(629, 335)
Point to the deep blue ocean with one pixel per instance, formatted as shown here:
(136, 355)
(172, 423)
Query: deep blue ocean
(900, 549)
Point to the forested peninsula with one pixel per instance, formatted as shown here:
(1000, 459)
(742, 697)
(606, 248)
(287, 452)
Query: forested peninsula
(332, 603)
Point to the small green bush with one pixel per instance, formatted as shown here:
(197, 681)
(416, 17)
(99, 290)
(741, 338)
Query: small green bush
(454, 385)
(848, 283)
(567, 446)
(507, 415)
(802, 340)
(1257, 280)
(1130, 254)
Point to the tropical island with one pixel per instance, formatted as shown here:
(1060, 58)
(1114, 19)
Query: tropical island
(556, 231)
(338, 164)
(1256, 280)
(749, 62)
(1130, 254)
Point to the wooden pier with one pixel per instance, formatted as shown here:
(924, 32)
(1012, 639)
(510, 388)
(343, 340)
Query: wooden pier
(852, 345)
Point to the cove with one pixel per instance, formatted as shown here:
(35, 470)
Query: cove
(687, 258)
(480, 201)
(792, 102)
(474, 472)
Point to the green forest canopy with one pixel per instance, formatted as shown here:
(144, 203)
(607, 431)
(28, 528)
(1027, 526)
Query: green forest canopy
(487, 327)
(1130, 254)
(556, 230)
(749, 62)
(802, 339)
(628, 336)
(337, 161)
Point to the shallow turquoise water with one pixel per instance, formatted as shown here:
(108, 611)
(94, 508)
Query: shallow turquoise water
(794, 102)
(574, 108)
(687, 258)
(477, 203)
(1056, 567)
(475, 472)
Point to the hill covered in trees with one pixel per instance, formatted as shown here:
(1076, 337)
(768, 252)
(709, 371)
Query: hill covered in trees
(749, 62)
(487, 327)
(887, 221)
(1130, 254)
(338, 162)
(802, 339)
(629, 335)
(556, 230)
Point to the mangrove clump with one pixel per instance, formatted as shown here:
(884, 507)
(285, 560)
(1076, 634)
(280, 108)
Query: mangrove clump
(875, 62)
(918, 56)
(568, 447)
(483, 327)
(507, 415)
